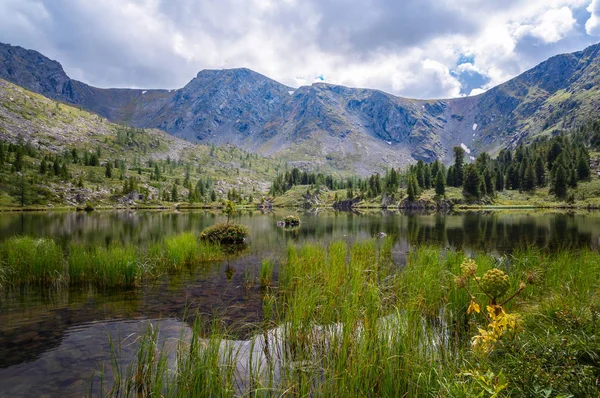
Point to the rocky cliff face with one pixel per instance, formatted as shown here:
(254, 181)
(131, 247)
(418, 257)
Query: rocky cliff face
(359, 129)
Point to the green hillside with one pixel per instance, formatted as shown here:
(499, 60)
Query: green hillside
(38, 133)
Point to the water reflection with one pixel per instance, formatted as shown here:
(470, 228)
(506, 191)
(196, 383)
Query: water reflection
(474, 230)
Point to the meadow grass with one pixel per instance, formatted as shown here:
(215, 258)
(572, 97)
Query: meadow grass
(26, 261)
(347, 321)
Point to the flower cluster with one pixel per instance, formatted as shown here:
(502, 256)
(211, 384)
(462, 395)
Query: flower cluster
(494, 284)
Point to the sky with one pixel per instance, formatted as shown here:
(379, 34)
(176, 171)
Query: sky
(410, 48)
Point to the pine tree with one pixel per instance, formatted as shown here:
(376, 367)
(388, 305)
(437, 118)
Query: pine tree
(488, 178)
(108, 170)
(427, 175)
(459, 158)
(413, 188)
(94, 161)
(529, 178)
(450, 180)
(583, 169)
(440, 184)
(540, 172)
(18, 163)
(556, 149)
(472, 183)
(23, 191)
(573, 178)
(64, 172)
(559, 186)
(174, 194)
(499, 178)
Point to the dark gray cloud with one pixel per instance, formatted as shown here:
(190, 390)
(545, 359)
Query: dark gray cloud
(408, 47)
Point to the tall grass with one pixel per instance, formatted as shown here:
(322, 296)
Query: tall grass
(26, 261)
(266, 272)
(345, 321)
(32, 261)
(197, 366)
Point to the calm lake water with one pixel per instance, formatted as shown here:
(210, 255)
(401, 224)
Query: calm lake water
(53, 343)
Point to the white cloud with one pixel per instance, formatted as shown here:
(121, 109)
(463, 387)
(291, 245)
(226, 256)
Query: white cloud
(592, 26)
(160, 43)
(477, 91)
(551, 26)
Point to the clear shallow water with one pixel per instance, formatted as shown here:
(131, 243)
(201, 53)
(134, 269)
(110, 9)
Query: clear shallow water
(52, 342)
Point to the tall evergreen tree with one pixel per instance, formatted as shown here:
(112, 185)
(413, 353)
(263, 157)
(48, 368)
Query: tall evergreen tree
(583, 168)
(459, 159)
(529, 178)
(450, 180)
(472, 183)
(18, 163)
(559, 186)
(174, 195)
(488, 178)
(540, 172)
(440, 183)
(413, 188)
(499, 179)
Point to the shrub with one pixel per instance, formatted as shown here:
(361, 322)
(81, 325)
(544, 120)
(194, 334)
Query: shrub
(225, 233)
(291, 221)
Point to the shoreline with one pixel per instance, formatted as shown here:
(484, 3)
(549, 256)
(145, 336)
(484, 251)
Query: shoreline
(427, 209)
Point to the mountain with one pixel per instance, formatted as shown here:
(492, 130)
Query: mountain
(358, 130)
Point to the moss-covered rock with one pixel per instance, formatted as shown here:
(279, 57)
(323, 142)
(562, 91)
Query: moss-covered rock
(223, 233)
(291, 221)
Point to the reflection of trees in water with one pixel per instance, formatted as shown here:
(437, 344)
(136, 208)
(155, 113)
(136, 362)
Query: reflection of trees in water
(505, 233)
(479, 231)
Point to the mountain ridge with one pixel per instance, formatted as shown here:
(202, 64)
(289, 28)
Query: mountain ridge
(324, 122)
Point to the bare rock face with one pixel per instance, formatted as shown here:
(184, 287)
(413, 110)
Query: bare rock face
(325, 123)
(35, 72)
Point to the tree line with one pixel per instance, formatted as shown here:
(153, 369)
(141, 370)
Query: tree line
(559, 162)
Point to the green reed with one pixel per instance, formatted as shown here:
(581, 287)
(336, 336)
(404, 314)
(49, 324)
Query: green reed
(32, 261)
(266, 272)
(25, 261)
(199, 365)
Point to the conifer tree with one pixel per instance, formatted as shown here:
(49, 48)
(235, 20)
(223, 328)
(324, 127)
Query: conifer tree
(440, 184)
(413, 188)
(529, 178)
(559, 186)
(459, 158)
(472, 183)
(174, 195)
(540, 172)
(583, 168)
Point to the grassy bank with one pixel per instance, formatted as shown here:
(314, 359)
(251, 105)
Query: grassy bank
(346, 321)
(26, 261)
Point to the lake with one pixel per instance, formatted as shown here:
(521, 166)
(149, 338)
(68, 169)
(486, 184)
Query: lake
(56, 341)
